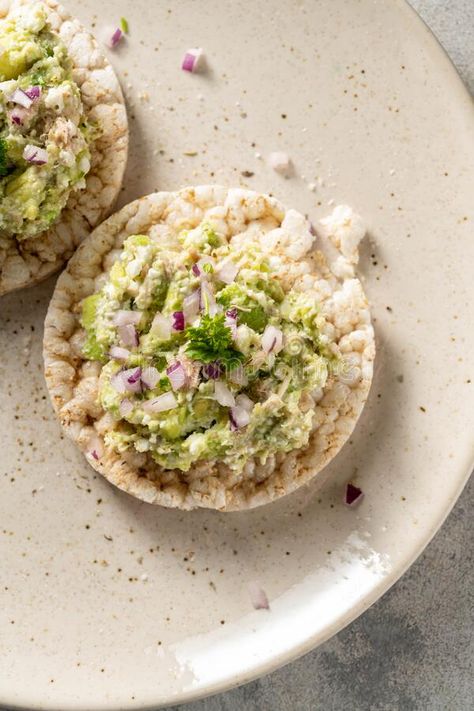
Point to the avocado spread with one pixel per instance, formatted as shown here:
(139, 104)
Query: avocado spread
(207, 355)
(44, 136)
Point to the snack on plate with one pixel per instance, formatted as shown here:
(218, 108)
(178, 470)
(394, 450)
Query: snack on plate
(63, 140)
(202, 350)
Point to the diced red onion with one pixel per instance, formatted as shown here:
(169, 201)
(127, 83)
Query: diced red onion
(164, 402)
(96, 448)
(21, 98)
(118, 353)
(191, 305)
(244, 401)
(125, 407)
(238, 376)
(118, 382)
(272, 339)
(258, 596)
(18, 115)
(212, 371)
(227, 271)
(353, 495)
(124, 317)
(176, 375)
(196, 271)
(133, 375)
(240, 414)
(33, 92)
(223, 395)
(128, 335)
(239, 417)
(192, 60)
(150, 377)
(35, 155)
(178, 321)
(127, 381)
(115, 38)
(161, 327)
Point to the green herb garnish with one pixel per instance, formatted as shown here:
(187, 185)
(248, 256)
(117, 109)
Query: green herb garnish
(212, 341)
(124, 25)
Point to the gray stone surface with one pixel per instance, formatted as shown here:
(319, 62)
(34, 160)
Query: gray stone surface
(414, 649)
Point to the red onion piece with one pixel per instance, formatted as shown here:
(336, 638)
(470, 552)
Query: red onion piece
(191, 305)
(223, 395)
(196, 271)
(118, 353)
(239, 417)
(35, 155)
(125, 407)
(212, 371)
(164, 402)
(21, 98)
(18, 116)
(161, 327)
(245, 402)
(178, 321)
(133, 375)
(117, 381)
(192, 60)
(95, 447)
(272, 339)
(150, 377)
(238, 376)
(258, 596)
(353, 495)
(227, 271)
(125, 318)
(33, 92)
(115, 38)
(127, 381)
(176, 375)
(128, 335)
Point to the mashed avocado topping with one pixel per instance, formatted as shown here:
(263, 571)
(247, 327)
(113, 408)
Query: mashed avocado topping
(44, 152)
(207, 355)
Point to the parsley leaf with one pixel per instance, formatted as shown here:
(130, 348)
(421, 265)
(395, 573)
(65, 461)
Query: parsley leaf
(3, 158)
(212, 341)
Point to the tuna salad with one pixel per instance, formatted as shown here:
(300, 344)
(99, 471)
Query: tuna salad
(44, 136)
(206, 353)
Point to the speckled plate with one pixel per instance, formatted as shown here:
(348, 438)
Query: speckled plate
(109, 603)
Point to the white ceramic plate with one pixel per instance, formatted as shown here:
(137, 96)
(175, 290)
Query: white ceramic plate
(107, 602)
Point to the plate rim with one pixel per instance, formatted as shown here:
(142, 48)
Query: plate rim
(313, 640)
